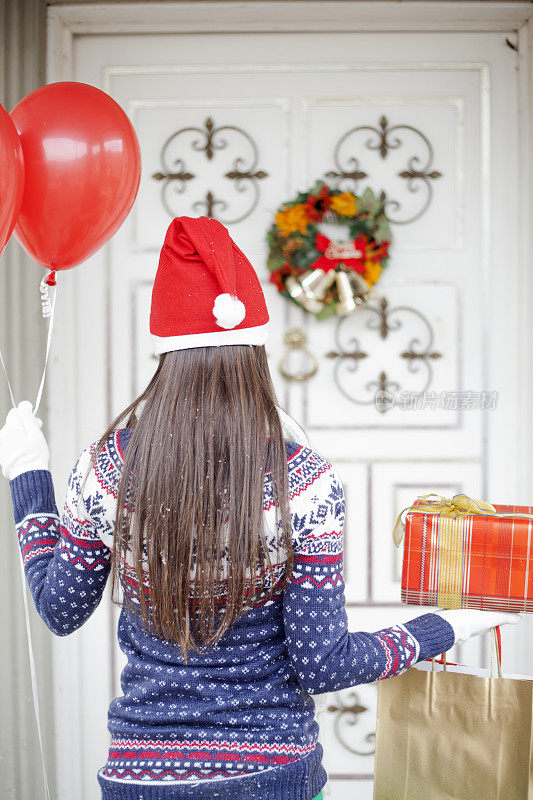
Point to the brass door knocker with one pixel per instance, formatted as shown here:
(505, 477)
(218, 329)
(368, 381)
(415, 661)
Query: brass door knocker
(296, 339)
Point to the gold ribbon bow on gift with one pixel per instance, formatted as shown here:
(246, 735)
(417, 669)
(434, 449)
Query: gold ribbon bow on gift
(449, 583)
(459, 506)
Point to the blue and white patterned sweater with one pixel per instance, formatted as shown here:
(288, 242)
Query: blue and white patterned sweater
(238, 719)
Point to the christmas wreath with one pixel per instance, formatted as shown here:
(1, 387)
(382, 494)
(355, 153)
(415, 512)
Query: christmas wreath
(323, 275)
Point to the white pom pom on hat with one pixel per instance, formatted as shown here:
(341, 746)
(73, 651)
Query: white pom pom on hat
(228, 311)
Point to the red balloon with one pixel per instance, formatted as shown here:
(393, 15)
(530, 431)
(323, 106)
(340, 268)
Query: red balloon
(83, 166)
(11, 176)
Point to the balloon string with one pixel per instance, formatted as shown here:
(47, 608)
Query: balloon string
(7, 380)
(28, 630)
(47, 353)
(33, 674)
(51, 315)
(48, 311)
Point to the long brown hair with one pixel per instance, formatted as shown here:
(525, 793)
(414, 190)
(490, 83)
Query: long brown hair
(189, 519)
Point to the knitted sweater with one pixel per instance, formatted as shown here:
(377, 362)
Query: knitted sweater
(237, 720)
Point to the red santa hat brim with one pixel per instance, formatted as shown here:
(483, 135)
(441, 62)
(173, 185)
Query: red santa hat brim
(256, 335)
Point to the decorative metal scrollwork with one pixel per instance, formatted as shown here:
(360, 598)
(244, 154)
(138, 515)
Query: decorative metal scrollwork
(208, 140)
(385, 321)
(347, 716)
(384, 137)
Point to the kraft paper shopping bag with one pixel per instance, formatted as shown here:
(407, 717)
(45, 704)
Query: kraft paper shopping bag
(447, 735)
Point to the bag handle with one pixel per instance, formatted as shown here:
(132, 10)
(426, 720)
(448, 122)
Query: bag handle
(495, 645)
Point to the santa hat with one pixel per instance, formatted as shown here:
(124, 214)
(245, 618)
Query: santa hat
(206, 291)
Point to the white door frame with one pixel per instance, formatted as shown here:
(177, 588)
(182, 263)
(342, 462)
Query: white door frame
(512, 19)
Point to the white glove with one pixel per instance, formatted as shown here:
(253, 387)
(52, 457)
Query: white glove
(22, 443)
(467, 622)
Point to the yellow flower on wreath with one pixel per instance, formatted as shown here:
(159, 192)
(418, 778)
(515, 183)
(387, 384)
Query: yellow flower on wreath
(344, 204)
(372, 272)
(293, 218)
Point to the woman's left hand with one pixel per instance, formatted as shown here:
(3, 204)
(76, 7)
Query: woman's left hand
(22, 443)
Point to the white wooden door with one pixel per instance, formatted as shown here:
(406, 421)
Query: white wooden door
(432, 120)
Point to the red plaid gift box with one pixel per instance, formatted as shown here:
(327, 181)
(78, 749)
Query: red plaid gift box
(461, 554)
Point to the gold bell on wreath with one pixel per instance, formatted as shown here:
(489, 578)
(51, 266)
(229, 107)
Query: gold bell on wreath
(361, 288)
(346, 304)
(352, 291)
(309, 289)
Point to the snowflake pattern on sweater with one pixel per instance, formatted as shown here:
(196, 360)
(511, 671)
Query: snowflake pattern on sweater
(238, 717)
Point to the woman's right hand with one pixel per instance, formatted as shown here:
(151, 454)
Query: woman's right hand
(468, 622)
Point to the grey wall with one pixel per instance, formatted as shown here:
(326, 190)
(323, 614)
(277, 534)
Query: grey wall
(22, 61)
